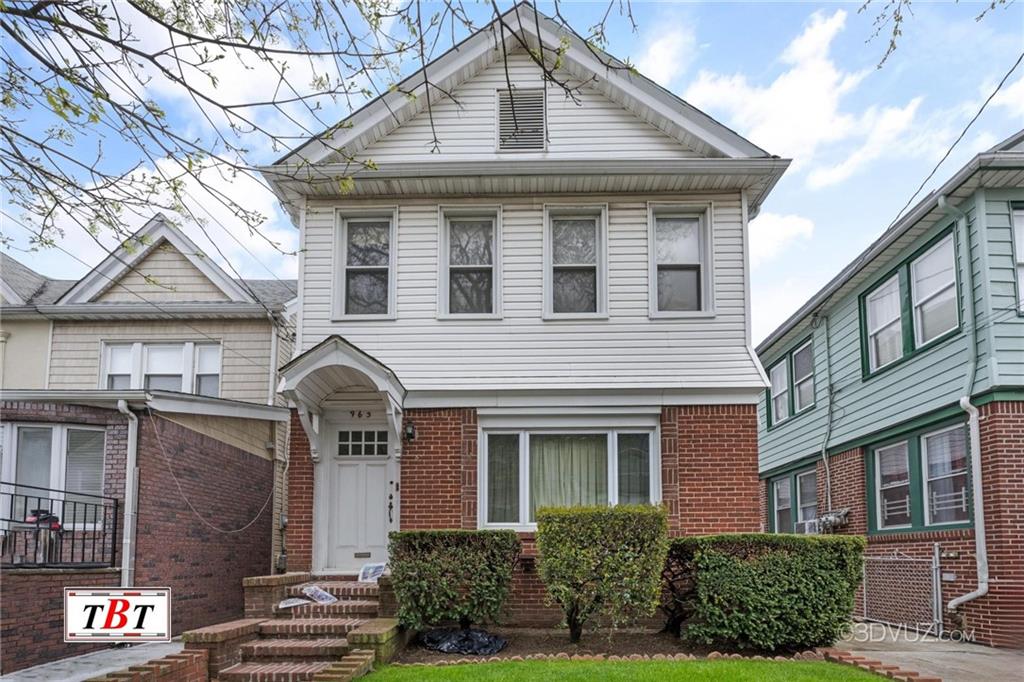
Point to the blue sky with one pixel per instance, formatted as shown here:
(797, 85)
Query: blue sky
(799, 80)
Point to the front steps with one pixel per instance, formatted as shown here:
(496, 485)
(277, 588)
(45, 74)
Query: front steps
(308, 643)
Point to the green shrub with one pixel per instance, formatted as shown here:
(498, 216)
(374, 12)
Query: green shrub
(452, 575)
(602, 561)
(762, 591)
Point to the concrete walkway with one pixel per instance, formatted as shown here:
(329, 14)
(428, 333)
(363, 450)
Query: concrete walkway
(951, 661)
(95, 663)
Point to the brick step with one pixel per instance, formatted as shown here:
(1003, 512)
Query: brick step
(342, 589)
(280, 671)
(347, 607)
(306, 628)
(294, 649)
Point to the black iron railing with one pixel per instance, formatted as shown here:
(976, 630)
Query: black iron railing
(47, 528)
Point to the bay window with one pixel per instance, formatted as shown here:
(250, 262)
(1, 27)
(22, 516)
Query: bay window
(365, 267)
(526, 470)
(186, 367)
(575, 272)
(470, 279)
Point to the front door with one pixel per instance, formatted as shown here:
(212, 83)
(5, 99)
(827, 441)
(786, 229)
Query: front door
(358, 506)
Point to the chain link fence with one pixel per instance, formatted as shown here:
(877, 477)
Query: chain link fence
(903, 590)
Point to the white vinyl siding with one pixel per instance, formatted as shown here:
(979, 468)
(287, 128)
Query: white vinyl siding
(933, 291)
(164, 276)
(885, 331)
(591, 127)
(627, 349)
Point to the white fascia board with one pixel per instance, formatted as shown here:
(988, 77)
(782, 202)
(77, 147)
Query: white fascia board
(11, 296)
(152, 311)
(114, 266)
(183, 403)
(583, 401)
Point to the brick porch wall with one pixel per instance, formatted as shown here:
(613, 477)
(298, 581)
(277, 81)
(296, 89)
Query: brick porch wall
(997, 618)
(230, 488)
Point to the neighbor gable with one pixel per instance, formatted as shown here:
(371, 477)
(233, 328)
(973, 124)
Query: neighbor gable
(165, 274)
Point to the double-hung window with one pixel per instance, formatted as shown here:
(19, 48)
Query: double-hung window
(470, 267)
(679, 244)
(794, 502)
(1018, 249)
(366, 269)
(575, 272)
(921, 480)
(187, 367)
(914, 306)
(527, 470)
(792, 384)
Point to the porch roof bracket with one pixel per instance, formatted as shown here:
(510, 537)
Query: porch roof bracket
(394, 413)
(310, 420)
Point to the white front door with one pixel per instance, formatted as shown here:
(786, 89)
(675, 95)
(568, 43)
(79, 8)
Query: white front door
(359, 515)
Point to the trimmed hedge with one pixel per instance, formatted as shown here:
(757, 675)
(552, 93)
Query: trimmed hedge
(448, 576)
(762, 591)
(602, 560)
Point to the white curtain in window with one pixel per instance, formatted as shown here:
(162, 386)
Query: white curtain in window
(568, 470)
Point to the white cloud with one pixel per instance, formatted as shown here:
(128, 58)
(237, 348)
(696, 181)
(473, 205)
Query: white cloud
(770, 233)
(669, 52)
(1011, 97)
(772, 304)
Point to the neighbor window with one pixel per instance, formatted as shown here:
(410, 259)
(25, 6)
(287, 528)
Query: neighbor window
(792, 383)
(794, 500)
(678, 270)
(576, 269)
(367, 266)
(525, 471)
(922, 480)
(60, 464)
(471, 258)
(1018, 241)
(912, 307)
(186, 367)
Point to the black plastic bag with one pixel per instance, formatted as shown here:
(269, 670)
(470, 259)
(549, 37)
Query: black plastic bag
(467, 642)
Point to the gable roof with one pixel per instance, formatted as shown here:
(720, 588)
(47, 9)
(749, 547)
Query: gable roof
(643, 97)
(1000, 166)
(20, 282)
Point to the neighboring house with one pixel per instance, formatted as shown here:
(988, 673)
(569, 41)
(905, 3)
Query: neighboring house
(555, 313)
(138, 408)
(896, 407)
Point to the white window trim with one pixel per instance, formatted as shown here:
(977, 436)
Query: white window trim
(784, 363)
(872, 357)
(704, 212)
(497, 117)
(916, 303)
(925, 480)
(340, 247)
(879, 519)
(611, 433)
(138, 374)
(797, 409)
(776, 507)
(444, 213)
(58, 459)
(555, 211)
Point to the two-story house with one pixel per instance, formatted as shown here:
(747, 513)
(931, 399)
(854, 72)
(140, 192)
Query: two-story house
(548, 306)
(896, 408)
(140, 435)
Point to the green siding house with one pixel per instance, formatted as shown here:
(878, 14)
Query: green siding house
(896, 406)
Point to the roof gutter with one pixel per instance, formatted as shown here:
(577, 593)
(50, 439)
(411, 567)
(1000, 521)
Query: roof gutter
(973, 418)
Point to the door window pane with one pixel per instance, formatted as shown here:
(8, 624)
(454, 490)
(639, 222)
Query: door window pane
(894, 485)
(568, 470)
(634, 468)
(503, 478)
(945, 455)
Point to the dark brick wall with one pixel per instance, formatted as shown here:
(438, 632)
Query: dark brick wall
(299, 533)
(32, 614)
(229, 487)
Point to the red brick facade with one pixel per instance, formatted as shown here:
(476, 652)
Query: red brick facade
(709, 484)
(997, 618)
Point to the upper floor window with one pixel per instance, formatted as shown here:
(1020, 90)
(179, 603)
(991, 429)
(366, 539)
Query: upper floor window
(912, 307)
(576, 271)
(521, 124)
(367, 267)
(184, 367)
(470, 265)
(1018, 241)
(680, 260)
(794, 499)
(792, 383)
(921, 480)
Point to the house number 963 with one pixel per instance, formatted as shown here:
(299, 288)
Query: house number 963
(360, 414)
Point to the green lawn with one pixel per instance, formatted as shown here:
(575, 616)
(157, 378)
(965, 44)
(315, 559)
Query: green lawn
(631, 671)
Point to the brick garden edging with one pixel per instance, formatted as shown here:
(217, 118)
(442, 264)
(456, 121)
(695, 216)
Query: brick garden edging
(870, 665)
(185, 666)
(564, 656)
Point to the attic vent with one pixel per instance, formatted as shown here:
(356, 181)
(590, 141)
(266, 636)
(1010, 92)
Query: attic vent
(521, 126)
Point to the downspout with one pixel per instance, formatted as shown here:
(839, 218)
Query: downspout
(272, 382)
(973, 421)
(131, 491)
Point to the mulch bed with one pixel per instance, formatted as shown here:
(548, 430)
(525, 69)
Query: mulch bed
(523, 642)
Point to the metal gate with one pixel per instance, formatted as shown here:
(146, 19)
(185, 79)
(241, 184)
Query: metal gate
(899, 589)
